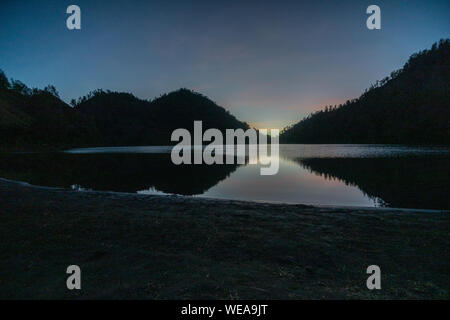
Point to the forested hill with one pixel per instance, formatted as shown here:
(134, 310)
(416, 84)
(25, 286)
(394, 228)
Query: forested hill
(410, 106)
(126, 120)
(35, 118)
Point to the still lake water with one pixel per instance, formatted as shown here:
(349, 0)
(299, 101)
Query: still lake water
(337, 175)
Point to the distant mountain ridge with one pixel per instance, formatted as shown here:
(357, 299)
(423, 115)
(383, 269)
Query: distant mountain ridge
(152, 122)
(411, 106)
(33, 118)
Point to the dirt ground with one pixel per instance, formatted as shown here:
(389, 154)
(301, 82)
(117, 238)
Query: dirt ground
(131, 246)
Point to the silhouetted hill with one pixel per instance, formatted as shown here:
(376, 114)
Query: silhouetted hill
(182, 107)
(38, 118)
(33, 118)
(121, 118)
(127, 120)
(410, 106)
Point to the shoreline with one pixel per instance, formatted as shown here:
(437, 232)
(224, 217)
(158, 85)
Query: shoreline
(132, 246)
(225, 200)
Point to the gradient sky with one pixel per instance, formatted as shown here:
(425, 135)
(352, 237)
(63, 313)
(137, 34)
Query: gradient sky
(269, 62)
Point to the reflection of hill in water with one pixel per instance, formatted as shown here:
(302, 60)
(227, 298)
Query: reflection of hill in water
(113, 172)
(399, 182)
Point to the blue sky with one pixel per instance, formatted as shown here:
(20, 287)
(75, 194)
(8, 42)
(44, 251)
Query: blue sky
(269, 62)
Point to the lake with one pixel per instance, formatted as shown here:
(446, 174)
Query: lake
(335, 175)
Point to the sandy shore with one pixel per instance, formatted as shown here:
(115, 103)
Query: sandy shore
(153, 247)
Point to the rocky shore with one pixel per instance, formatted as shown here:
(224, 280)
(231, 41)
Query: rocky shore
(131, 246)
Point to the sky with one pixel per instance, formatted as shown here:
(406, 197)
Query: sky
(269, 63)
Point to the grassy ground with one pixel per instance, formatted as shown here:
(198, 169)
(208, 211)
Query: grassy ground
(133, 246)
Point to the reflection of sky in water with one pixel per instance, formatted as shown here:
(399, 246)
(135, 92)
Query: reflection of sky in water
(292, 151)
(293, 183)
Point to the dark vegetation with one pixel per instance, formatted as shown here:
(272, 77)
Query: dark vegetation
(38, 118)
(411, 106)
(35, 119)
(126, 120)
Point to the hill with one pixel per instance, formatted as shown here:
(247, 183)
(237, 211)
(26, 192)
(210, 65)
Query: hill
(411, 106)
(127, 120)
(35, 119)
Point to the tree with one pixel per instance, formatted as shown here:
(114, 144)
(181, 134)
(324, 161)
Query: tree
(4, 83)
(52, 90)
(20, 87)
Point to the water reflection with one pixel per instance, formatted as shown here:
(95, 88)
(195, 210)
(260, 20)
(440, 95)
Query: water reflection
(345, 175)
(121, 172)
(413, 182)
